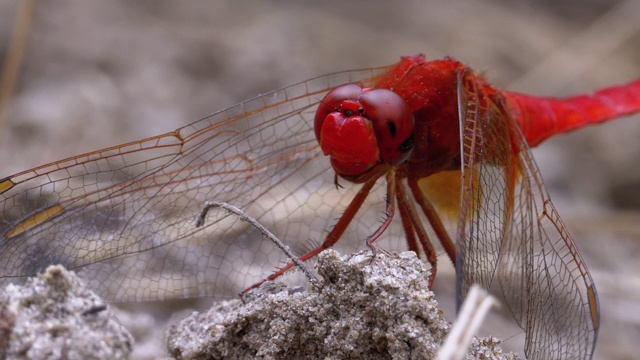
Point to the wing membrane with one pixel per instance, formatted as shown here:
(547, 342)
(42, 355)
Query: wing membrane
(508, 227)
(124, 217)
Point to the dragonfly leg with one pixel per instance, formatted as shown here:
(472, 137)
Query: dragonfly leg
(407, 225)
(333, 236)
(389, 211)
(412, 228)
(434, 219)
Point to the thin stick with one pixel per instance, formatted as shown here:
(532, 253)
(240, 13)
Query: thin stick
(268, 234)
(15, 55)
(474, 309)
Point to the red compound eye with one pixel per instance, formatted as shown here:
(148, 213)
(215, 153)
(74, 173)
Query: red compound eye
(392, 122)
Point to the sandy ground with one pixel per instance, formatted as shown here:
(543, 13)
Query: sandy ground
(97, 74)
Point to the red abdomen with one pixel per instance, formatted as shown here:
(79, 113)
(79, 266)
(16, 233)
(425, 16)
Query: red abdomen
(543, 117)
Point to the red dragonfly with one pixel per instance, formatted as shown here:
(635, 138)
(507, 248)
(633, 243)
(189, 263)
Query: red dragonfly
(445, 140)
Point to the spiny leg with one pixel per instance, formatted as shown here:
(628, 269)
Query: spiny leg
(434, 220)
(412, 218)
(389, 211)
(407, 225)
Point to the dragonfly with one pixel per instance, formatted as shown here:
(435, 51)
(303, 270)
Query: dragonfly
(430, 140)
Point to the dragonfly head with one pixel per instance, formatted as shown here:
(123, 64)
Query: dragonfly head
(360, 128)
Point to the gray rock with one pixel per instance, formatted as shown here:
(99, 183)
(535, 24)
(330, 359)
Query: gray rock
(365, 308)
(55, 316)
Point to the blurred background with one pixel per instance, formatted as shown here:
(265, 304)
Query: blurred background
(95, 74)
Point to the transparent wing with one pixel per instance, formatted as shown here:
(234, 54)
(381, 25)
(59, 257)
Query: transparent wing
(124, 217)
(508, 227)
